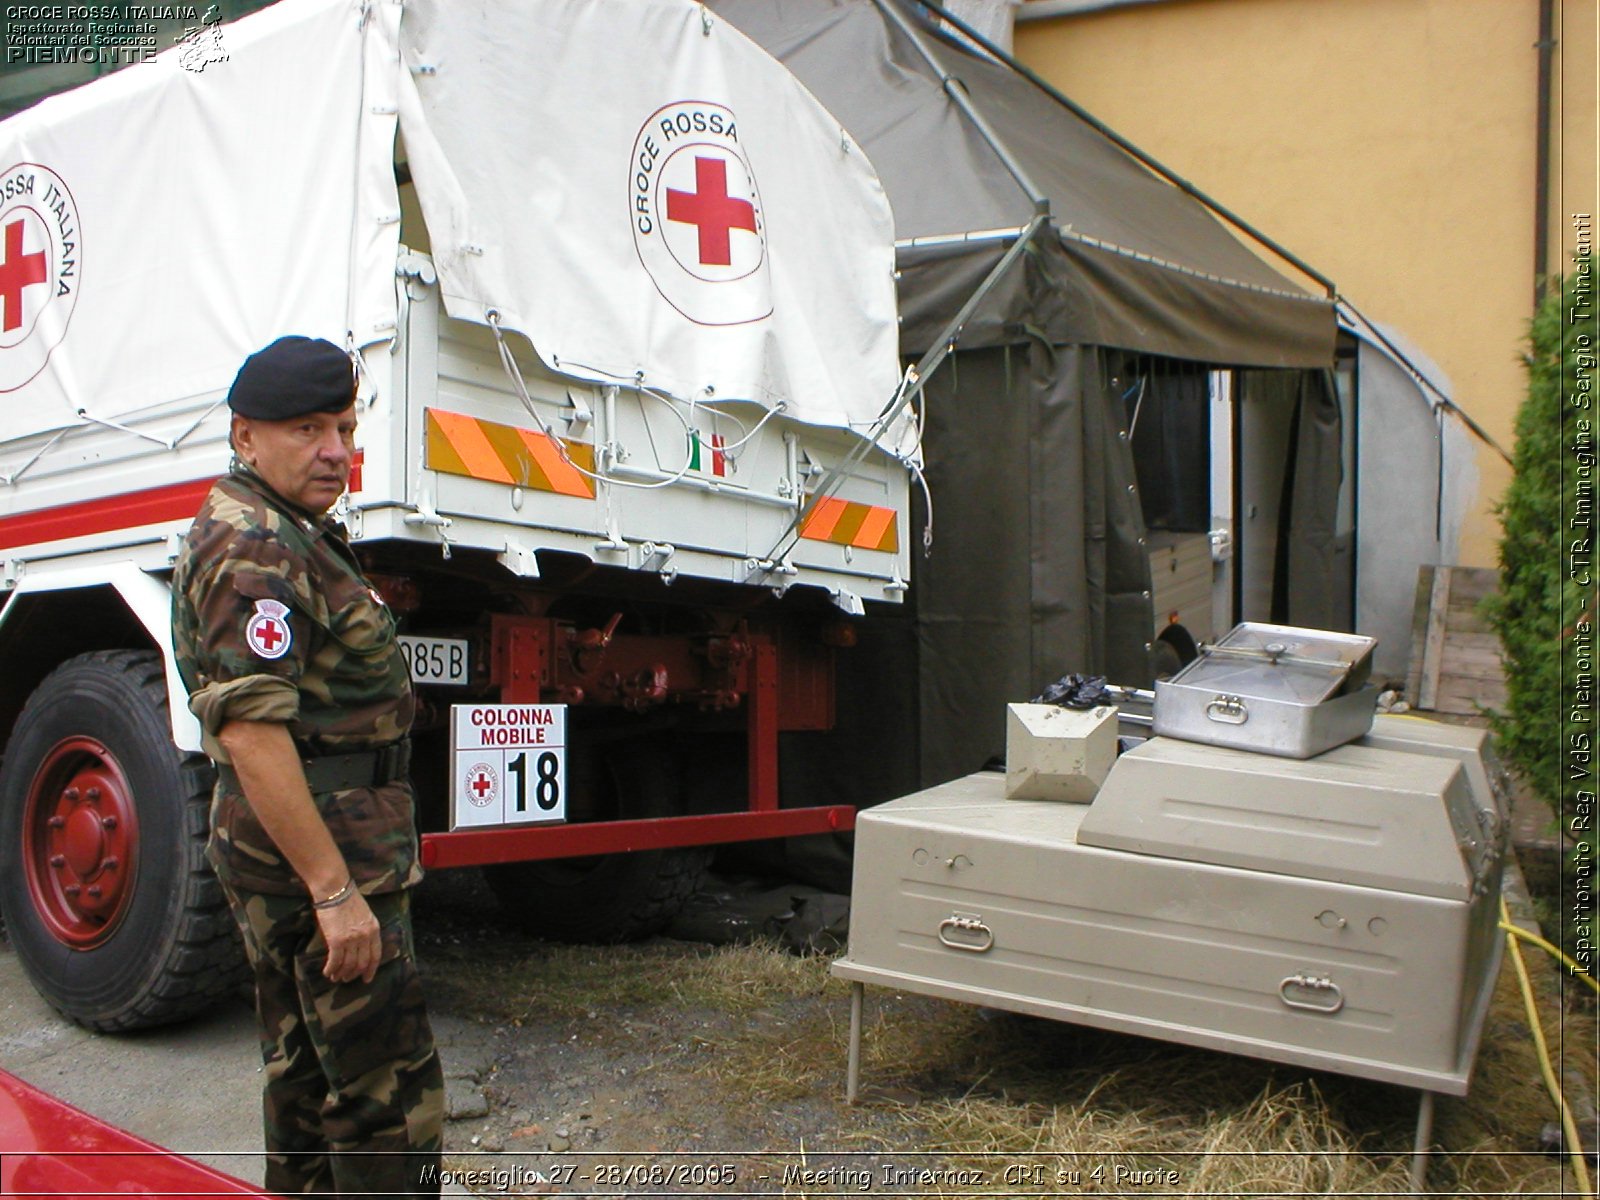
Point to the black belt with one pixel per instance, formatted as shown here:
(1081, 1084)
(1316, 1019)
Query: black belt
(342, 772)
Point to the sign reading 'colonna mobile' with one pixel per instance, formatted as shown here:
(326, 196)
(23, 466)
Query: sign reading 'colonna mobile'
(39, 269)
(510, 764)
(696, 214)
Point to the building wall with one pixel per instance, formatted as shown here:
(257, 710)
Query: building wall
(1389, 143)
(1577, 137)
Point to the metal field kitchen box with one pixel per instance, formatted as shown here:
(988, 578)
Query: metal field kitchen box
(1336, 913)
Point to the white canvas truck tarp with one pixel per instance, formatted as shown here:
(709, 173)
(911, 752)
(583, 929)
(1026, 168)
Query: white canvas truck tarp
(164, 222)
(699, 203)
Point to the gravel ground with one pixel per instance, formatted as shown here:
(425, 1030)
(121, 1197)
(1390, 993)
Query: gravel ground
(636, 1095)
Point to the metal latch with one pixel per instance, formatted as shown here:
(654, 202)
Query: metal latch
(1229, 710)
(657, 556)
(416, 266)
(966, 931)
(582, 414)
(1313, 993)
(426, 517)
(1221, 540)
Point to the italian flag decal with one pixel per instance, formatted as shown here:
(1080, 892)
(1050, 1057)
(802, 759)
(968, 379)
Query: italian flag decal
(707, 455)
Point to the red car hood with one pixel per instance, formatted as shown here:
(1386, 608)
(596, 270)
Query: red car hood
(50, 1148)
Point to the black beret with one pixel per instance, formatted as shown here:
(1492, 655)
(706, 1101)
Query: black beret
(292, 377)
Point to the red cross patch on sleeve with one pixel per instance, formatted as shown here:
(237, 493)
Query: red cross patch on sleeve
(268, 632)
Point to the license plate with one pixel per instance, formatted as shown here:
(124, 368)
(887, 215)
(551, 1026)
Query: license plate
(509, 763)
(435, 660)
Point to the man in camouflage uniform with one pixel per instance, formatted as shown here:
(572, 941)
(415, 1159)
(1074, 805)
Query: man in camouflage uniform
(294, 670)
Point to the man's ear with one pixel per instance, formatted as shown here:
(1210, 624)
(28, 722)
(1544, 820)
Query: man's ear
(241, 435)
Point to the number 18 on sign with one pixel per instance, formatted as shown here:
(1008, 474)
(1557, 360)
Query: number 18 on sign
(509, 764)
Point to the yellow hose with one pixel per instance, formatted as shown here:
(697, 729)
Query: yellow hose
(1555, 951)
(1569, 1127)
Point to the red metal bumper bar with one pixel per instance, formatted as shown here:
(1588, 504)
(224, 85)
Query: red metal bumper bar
(479, 847)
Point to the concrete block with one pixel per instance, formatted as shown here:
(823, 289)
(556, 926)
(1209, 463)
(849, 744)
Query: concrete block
(1055, 753)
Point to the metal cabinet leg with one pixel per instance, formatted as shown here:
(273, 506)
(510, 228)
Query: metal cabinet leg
(852, 1075)
(1419, 1150)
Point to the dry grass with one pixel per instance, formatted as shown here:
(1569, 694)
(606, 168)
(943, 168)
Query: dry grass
(513, 979)
(983, 1089)
(1281, 1142)
(1090, 1110)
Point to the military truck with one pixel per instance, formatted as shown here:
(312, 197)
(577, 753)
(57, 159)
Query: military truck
(633, 452)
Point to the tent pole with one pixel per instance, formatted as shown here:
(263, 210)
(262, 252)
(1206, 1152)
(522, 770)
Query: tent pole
(1100, 127)
(957, 91)
(917, 377)
(1343, 305)
(947, 339)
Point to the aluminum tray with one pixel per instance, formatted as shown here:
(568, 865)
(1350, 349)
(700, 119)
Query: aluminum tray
(1308, 665)
(1273, 689)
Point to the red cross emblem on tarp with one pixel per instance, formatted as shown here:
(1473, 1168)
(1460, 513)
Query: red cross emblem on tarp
(268, 632)
(19, 270)
(698, 223)
(41, 269)
(711, 210)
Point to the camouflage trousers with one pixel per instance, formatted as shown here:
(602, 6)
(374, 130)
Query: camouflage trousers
(354, 1094)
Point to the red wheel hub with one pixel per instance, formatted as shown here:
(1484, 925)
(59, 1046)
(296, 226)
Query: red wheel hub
(82, 839)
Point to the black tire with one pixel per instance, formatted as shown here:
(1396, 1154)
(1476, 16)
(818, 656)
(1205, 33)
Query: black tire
(157, 944)
(611, 897)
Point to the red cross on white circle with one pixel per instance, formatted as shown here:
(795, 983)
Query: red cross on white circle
(696, 215)
(268, 635)
(482, 784)
(17, 271)
(41, 269)
(712, 212)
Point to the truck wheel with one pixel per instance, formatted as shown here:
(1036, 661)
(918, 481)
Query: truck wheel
(108, 899)
(609, 897)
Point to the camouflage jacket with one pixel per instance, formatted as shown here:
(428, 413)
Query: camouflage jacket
(273, 621)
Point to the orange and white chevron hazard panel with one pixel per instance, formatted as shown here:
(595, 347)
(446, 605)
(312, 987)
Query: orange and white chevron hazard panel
(846, 523)
(462, 445)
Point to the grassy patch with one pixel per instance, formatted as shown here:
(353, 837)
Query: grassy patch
(513, 979)
(766, 1041)
(1092, 1110)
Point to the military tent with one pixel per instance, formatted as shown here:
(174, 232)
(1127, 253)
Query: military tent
(1053, 261)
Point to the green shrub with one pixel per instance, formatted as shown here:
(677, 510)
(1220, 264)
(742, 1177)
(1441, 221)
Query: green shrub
(1545, 614)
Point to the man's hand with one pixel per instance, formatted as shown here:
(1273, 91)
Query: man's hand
(354, 942)
(274, 782)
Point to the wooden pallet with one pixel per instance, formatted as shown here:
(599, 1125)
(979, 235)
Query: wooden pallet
(1455, 659)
